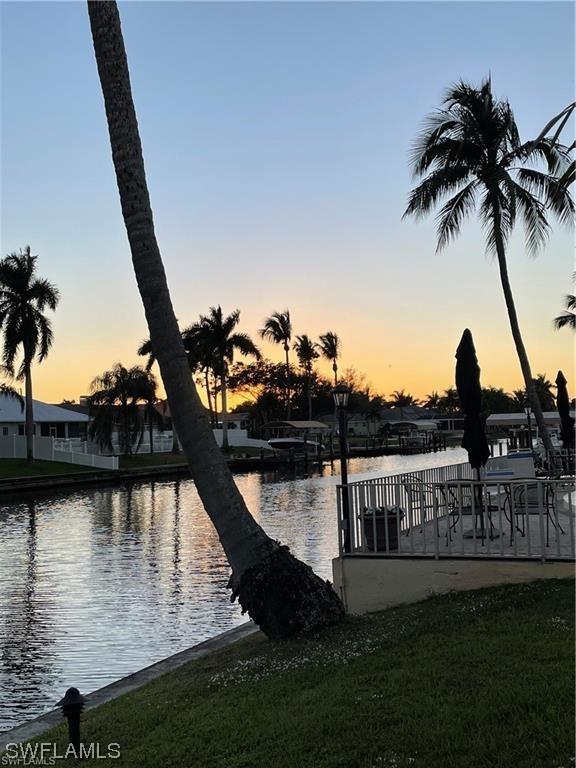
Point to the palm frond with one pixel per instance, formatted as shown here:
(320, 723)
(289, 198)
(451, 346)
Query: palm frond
(453, 213)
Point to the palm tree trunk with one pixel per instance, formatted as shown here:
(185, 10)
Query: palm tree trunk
(29, 425)
(225, 445)
(288, 408)
(517, 336)
(309, 386)
(280, 593)
(209, 395)
(335, 369)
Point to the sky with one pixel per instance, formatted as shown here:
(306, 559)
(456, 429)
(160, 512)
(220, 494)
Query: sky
(276, 139)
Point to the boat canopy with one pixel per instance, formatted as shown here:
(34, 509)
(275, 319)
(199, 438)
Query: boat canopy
(305, 425)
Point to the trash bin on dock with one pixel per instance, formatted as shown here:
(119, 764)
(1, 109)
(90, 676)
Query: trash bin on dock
(387, 519)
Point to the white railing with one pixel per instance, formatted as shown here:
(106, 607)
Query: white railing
(45, 449)
(407, 516)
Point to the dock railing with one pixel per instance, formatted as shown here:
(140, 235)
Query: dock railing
(443, 512)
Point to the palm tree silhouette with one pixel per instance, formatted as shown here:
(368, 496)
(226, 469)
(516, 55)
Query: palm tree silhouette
(432, 400)
(402, 399)
(115, 395)
(568, 317)
(23, 299)
(278, 329)
(307, 351)
(330, 347)
(218, 337)
(265, 576)
(471, 147)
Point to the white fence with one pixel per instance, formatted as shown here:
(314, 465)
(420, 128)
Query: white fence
(422, 514)
(51, 449)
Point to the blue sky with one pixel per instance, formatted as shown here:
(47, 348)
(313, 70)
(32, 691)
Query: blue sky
(276, 140)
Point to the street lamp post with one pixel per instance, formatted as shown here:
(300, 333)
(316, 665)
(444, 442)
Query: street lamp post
(341, 395)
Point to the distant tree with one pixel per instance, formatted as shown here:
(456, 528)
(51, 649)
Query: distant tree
(471, 149)
(519, 399)
(546, 397)
(278, 329)
(432, 400)
(496, 400)
(307, 353)
(222, 341)
(24, 297)
(330, 348)
(543, 388)
(401, 399)
(114, 399)
(449, 401)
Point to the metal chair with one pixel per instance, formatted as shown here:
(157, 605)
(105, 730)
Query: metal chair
(534, 498)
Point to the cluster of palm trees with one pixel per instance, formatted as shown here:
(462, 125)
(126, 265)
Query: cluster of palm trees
(213, 341)
(278, 329)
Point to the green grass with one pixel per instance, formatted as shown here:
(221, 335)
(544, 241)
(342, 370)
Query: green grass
(469, 680)
(151, 460)
(20, 468)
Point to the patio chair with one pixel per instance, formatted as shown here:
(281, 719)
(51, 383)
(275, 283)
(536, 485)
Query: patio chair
(423, 498)
(526, 499)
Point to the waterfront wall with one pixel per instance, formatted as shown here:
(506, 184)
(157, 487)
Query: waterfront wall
(367, 584)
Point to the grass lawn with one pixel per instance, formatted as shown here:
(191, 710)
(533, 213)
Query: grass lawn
(469, 680)
(151, 460)
(20, 468)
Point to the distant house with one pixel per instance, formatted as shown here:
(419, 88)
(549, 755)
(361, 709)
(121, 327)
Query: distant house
(49, 420)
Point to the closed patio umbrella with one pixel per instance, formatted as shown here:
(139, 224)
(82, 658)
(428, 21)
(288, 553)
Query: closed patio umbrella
(470, 394)
(563, 406)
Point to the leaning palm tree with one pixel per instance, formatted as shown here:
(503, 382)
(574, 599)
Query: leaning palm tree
(471, 149)
(306, 352)
(219, 337)
(330, 348)
(278, 329)
(24, 297)
(280, 593)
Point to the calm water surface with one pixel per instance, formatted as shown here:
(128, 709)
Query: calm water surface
(98, 583)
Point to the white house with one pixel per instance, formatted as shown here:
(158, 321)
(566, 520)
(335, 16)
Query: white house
(49, 420)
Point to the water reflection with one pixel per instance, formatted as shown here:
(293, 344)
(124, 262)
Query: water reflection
(98, 583)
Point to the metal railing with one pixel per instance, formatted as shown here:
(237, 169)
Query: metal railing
(409, 515)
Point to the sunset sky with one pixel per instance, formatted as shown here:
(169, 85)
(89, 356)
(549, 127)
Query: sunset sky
(276, 138)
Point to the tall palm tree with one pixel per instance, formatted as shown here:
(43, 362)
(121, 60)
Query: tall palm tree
(278, 329)
(24, 297)
(306, 352)
(330, 348)
(220, 338)
(471, 149)
(280, 593)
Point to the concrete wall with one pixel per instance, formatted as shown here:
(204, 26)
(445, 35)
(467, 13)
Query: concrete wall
(368, 584)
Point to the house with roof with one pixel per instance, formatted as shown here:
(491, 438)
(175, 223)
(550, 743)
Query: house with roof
(49, 420)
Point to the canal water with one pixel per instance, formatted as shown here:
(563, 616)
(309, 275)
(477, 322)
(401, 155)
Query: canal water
(99, 582)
